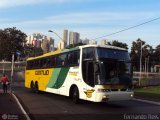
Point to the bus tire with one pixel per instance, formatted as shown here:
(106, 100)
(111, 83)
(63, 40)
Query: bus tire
(36, 87)
(32, 86)
(75, 95)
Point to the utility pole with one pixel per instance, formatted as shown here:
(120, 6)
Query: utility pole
(140, 64)
(11, 76)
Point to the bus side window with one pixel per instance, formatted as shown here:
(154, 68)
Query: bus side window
(88, 53)
(44, 63)
(48, 62)
(35, 64)
(28, 65)
(70, 56)
(40, 63)
(32, 66)
(76, 57)
(58, 60)
(63, 59)
(53, 61)
(73, 58)
(66, 59)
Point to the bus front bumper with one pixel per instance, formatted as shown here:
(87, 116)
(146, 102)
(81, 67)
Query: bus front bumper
(114, 96)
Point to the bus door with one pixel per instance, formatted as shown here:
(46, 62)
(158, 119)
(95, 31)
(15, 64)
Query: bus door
(90, 80)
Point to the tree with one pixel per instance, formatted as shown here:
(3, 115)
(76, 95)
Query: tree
(156, 55)
(139, 48)
(31, 51)
(37, 51)
(11, 42)
(118, 44)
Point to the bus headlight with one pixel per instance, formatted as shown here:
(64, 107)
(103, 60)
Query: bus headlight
(131, 95)
(105, 98)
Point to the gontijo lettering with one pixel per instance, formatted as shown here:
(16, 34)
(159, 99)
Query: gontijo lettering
(42, 72)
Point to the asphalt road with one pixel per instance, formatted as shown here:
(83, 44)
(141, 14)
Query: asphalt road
(54, 107)
(9, 108)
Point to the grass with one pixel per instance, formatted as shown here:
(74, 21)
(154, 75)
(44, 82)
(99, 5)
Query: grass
(151, 93)
(151, 89)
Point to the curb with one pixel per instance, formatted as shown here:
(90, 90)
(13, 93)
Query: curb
(147, 101)
(22, 109)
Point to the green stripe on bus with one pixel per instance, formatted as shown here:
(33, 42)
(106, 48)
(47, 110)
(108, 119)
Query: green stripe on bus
(61, 78)
(54, 77)
(58, 77)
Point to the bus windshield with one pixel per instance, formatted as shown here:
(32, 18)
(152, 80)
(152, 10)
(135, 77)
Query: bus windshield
(103, 53)
(115, 67)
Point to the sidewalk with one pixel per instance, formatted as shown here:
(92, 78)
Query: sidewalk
(9, 109)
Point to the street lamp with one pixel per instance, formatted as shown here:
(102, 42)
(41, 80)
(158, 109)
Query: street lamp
(55, 33)
(140, 64)
(12, 67)
(62, 43)
(147, 66)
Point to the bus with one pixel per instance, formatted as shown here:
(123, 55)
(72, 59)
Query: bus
(90, 72)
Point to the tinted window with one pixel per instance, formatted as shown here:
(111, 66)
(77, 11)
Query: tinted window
(76, 57)
(29, 65)
(46, 62)
(73, 58)
(88, 53)
(61, 60)
(112, 53)
(53, 61)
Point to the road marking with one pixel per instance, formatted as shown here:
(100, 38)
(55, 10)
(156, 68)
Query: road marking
(24, 112)
(147, 101)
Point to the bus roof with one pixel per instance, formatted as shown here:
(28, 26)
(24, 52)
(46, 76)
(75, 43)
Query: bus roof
(104, 46)
(75, 48)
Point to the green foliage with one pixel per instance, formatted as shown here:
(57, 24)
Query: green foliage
(11, 41)
(151, 89)
(156, 55)
(139, 46)
(119, 44)
(31, 51)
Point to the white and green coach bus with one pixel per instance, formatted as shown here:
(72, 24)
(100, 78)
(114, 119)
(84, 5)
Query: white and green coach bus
(89, 72)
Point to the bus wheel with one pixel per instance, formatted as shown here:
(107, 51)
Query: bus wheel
(75, 95)
(32, 86)
(36, 87)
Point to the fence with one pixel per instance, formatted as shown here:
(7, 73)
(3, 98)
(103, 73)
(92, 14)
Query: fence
(17, 65)
(146, 79)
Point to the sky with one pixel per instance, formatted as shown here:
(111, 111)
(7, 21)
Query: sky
(90, 18)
